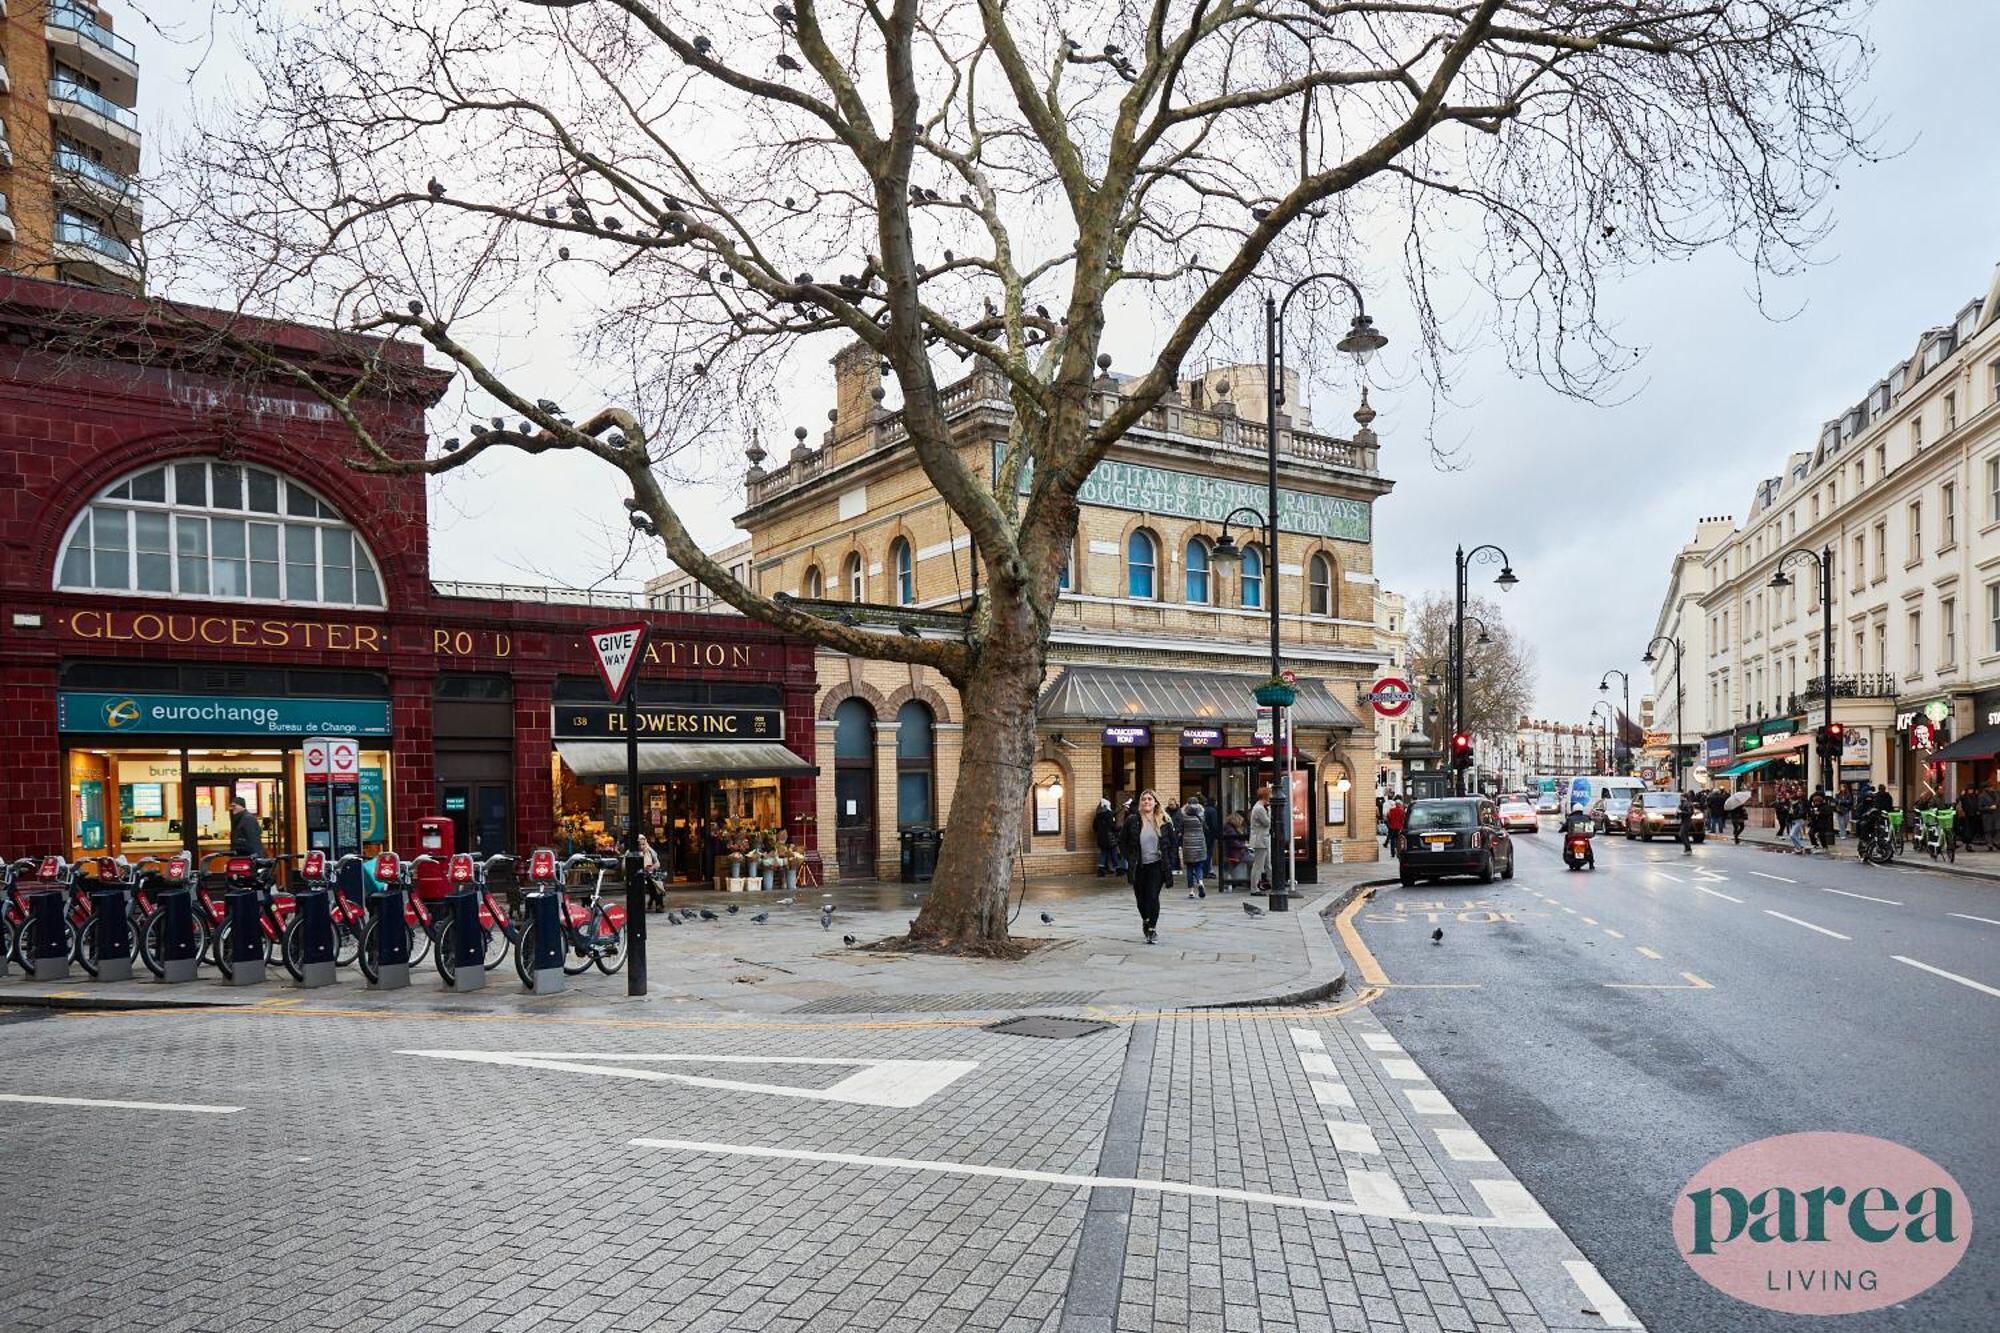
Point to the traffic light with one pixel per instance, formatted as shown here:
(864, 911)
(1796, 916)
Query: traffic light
(1461, 749)
(1833, 739)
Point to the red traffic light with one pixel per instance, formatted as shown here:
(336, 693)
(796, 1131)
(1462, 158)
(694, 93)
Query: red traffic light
(1835, 730)
(1461, 740)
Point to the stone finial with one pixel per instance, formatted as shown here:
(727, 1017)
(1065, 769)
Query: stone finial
(755, 453)
(1365, 437)
(799, 450)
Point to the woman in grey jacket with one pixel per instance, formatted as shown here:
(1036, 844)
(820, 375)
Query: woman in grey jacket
(1194, 846)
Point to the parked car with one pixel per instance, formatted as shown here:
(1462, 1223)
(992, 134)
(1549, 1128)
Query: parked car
(1454, 835)
(1659, 812)
(1516, 813)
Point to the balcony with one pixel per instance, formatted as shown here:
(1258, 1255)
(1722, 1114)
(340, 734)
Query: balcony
(86, 253)
(77, 39)
(98, 121)
(547, 595)
(97, 184)
(1865, 685)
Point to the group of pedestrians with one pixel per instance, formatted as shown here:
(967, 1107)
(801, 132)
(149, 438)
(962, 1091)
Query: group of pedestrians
(1150, 842)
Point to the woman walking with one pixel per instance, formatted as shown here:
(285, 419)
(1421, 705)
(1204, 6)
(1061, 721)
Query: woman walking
(1147, 840)
(1194, 847)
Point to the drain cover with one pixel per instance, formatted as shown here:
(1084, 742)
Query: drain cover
(1035, 1025)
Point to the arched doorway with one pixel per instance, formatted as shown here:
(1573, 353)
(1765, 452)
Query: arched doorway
(854, 787)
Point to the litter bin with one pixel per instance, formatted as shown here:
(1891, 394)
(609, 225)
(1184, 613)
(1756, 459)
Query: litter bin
(919, 853)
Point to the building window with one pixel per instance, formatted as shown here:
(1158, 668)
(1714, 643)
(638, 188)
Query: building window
(1253, 577)
(906, 572)
(1993, 617)
(1068, 575)
(1947, 633)
(1142, 557)
(1881, 460)
(1860, 474)
(857, 580)
(1197, 571)
(1916, 662)
(1993, 379)
(1917, 433)
(815, 584)
(1916, 530)
(1950, 413)
(1882, 646)
(1882, 549)
(223, 531)
(1319, 586)
(1860, 651)
(1993, 489)
(914, 746)
(1948, 514)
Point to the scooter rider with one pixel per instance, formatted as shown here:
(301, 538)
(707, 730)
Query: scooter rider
(1579, 822)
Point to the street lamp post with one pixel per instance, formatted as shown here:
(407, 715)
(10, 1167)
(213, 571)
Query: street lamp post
(1823, 559)
(1505, 581)
(1363, 340)
(1607, 759)
(1679, 697)
(1604, 687)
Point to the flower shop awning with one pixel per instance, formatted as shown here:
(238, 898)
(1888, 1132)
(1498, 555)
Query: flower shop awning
(685, 761)
(1143, 694)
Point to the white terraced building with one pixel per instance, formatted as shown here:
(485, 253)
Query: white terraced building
(1903, 490)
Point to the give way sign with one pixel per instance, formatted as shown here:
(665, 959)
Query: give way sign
(618, 649)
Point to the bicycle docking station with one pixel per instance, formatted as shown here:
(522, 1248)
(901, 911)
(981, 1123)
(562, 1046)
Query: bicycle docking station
(392, 940)
(244, 912)
(47, 951)
(468, 942)
(545, 920)
(111, 916)
(315, 917)
(179, 957)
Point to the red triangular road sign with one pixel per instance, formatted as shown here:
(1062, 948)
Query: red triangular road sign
(618, 649)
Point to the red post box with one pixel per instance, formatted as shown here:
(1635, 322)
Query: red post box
(436, 839)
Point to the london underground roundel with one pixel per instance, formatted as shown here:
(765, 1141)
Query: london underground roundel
(1392, 696)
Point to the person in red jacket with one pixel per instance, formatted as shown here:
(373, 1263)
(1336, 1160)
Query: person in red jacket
(1394, 817)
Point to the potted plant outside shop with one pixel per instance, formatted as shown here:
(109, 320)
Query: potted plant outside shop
(1276, 693)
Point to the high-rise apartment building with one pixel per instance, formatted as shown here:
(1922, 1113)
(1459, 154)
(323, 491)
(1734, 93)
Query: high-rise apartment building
(69, 145)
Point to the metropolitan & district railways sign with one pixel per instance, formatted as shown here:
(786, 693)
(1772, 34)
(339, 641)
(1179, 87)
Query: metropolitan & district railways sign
(1185, 495)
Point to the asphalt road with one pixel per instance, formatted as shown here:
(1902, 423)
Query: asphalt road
(1610, 1032)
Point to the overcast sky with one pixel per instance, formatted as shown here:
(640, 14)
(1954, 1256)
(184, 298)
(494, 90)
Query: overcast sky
(1590, 501)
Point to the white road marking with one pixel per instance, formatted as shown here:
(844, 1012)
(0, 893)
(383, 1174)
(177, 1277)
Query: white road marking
(1333, 1094)
(1510, 1199)
(1716, 893)
(1429, 1101)
(1403, 1069)
(1653, 954)
(1350, 1137)
(1807, 924)
(1598, 1293)
(1465, 1145)
(1675, 878)
(1308, 1040)
(1318, 1062)
(1539, 1221)
(1613, 934)
(897, 1083)
(1381, 1041)
(192, 1108)
(1780, 878)
(1694, 983)
(1862, 896)
(1962, 916)
(1377, 1191)
(1979, 986)
(1590, 921)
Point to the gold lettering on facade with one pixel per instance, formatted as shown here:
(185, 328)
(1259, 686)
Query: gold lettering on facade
(224, 631)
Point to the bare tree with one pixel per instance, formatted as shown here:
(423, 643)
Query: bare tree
(1499, 672)
(730, 189)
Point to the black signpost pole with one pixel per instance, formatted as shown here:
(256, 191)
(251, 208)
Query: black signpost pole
(635, 863)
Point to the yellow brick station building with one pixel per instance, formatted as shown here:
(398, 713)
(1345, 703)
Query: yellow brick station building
(1155, 646)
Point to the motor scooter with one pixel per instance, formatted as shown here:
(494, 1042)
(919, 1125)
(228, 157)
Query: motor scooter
(1577, 853)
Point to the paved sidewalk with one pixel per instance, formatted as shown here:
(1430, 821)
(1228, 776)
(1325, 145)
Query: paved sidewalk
(1969, 864)
(1211, 952)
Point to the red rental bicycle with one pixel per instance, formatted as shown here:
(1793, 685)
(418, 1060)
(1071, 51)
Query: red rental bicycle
(25, 876)
(348, 918)
(391, 870)
(173, 873)
(274, 913)
(497, 927)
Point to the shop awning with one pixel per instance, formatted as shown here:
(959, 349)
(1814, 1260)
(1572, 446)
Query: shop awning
(1139, 694)
(1981, 744)
(1771, 749)
(687, 761)
(1741, 767)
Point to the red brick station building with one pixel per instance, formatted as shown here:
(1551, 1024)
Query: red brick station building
(193, 582)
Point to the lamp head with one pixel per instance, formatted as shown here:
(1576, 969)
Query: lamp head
(1649, 659)
(1225, 550)
(1506, 581)
(1363, 339)
(1781, 580)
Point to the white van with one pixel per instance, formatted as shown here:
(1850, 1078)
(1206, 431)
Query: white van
(1605, 798)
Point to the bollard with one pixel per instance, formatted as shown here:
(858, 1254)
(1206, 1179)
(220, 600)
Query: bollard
(467, 966)
(544, 970)
(48, 948)
(179, 955)
(243, 914)
(110, 928)
(390, 930)
(314, 937)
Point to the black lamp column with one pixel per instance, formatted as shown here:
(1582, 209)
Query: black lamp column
(1679, 697)
(1505, 581)
(1603, 687)
(1823, 559)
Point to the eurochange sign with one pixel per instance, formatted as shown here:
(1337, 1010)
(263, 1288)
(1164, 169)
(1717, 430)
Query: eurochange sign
(206, 715)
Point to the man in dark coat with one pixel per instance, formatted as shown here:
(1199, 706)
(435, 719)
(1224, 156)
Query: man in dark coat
(1104, 828)
(246, 835)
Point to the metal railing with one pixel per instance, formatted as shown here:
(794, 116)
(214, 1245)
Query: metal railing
(76, 164)
(80, 20)
(71, 231)
(1862, 685)
(62, 90)
(549, 594)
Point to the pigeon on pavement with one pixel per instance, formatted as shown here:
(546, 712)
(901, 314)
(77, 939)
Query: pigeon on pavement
(1048, 920)
(707, 915)
(848, 940)
(732, 909)
(1251, 909)
(826, 918)
(761, 917)
(673, 918)
(1437, 936)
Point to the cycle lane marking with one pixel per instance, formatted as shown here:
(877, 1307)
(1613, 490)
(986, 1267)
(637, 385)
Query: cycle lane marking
(190, 1108)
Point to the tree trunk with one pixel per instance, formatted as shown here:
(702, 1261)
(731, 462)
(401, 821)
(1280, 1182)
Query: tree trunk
(968, 900)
